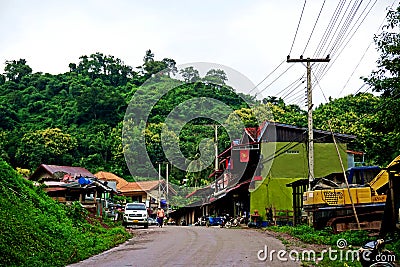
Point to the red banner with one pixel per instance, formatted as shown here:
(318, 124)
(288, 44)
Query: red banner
(244, 155)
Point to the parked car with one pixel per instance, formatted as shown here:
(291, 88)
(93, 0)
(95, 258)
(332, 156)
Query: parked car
(135, 214)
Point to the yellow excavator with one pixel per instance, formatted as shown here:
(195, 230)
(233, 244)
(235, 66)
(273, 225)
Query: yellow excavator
(330, 201)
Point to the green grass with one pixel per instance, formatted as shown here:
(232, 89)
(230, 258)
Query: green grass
(354, 239)
(309, 235)
(37, 231)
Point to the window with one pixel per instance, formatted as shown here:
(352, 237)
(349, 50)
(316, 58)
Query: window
(135, 207)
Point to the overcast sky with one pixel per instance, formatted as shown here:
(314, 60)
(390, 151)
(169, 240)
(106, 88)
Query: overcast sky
(252, 37)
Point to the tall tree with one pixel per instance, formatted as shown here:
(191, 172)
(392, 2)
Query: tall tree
(215, 76)
(386, 80)
(50, 146)
(15, 70)
(190, 74)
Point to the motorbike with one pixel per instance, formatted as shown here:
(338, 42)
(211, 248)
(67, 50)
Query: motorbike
(215, 221)
(201, 221)
(374, 254)
(234, 222)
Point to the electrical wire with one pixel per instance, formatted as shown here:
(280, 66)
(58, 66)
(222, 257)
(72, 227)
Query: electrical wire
(346, 24)
(329, 28)
(331, 37)
(296, 96)
(277, 78)
(324, 69)
(354, 70)
(351, 32)
(315, 24)
(294, 89)
(322, 72)
(289, 86)
(266, 77)
(298, 25)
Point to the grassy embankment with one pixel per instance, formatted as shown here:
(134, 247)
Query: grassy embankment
(37, 231)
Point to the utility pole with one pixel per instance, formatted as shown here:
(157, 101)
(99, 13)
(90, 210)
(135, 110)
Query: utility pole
(166, 197)
(216, 156)
(163, 190)
(309, 107)
(216, 146)
(216, 153)
(159, 185)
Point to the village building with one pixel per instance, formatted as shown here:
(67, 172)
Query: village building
(151, 192)
(284, 160)
(67, 184)
(267, 169)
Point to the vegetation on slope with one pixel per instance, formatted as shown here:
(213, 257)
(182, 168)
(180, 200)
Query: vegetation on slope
(37, 231)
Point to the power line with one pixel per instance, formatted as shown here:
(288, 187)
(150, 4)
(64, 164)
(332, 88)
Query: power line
(276, 79)
(337, 28)
(351, 32)
(329, 28)
(289, 93)
(298, 25)
(287, 88)
(315, 24)
(322, 72)
(354, 70)
(267, 76)
(295, 96)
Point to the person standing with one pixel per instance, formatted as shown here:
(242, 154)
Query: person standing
(160, 216)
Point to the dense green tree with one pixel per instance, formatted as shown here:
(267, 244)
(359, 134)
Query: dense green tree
(386, 80)
(190, 74)
(15, 70)
(87, 104)
(49, 146)
(170, 66)
(215, 76)
(151, 66)
(111, 70)
(355, 115)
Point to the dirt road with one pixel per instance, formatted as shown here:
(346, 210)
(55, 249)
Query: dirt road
(192, 246)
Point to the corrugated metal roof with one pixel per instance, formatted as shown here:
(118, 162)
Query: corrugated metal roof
(51, 169)
(139, 186)
(108, 176)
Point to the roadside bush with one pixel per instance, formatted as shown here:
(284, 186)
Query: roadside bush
(308, 234)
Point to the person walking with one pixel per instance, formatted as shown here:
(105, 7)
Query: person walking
(160, 216)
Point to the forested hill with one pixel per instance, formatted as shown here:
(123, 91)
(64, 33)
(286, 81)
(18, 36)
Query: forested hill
(76, 118)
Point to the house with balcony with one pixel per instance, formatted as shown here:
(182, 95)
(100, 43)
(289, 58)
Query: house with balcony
(260, 171)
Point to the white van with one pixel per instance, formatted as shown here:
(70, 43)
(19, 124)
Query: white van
(135, 214)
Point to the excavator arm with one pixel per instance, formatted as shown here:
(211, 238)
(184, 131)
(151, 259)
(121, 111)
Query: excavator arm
(382, 178)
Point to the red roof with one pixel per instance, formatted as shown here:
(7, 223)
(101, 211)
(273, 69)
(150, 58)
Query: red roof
(255, 132)
(355, 152)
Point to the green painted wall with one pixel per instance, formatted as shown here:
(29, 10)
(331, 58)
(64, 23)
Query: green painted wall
(289, 167)
(272, 192)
